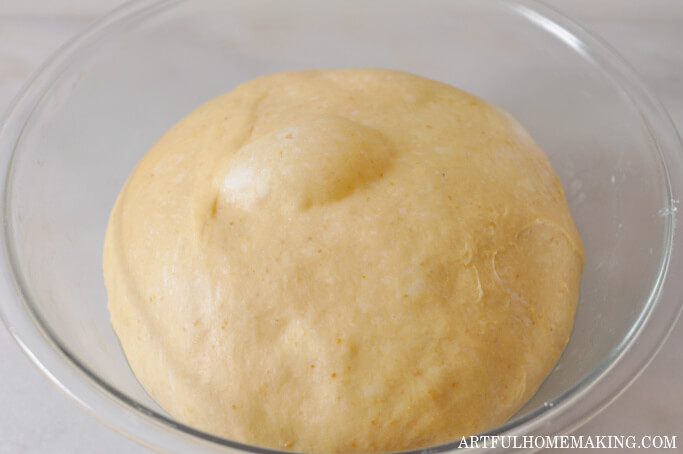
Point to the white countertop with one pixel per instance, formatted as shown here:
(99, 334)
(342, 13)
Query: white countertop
(37, 418)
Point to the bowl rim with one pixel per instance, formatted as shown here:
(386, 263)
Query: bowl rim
(158, 431)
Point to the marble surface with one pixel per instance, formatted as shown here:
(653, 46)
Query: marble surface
(37, 418)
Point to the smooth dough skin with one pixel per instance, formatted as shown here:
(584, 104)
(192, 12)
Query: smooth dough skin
(343, 261)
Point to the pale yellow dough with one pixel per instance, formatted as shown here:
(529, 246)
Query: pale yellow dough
(343, 261)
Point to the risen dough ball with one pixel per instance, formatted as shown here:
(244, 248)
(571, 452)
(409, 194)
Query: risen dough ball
(343, 261)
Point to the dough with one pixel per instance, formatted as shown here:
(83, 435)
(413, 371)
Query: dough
(343, 261)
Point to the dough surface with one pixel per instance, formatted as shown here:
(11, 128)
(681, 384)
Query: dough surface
(343, 261)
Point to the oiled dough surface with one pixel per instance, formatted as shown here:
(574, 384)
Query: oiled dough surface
(343, 261)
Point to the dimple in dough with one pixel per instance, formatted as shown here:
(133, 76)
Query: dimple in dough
(343, 261)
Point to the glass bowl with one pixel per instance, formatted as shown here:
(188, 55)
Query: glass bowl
(80, 125)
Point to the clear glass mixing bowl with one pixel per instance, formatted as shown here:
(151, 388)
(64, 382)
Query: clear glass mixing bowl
(74, 134)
